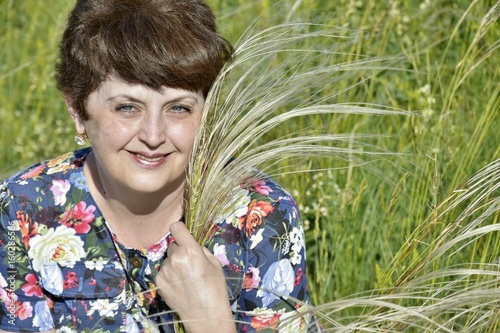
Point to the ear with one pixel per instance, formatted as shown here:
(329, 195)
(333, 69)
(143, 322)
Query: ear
(77, 120)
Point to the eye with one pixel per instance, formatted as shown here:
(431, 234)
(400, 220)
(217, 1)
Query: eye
(125, 108)
(180, 108)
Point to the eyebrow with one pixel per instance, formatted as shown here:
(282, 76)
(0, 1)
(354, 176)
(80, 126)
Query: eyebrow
(124, 96)
(136, 100)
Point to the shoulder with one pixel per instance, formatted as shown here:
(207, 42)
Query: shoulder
(44, 190)
(259, 206)
(38, 175)
(263, 188)
(58, 165)
(265, 185)
(269, 207)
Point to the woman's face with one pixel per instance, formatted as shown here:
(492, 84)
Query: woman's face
(141, 138)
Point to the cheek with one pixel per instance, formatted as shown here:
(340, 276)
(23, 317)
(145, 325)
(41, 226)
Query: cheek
(109, 134)
(183, 138)
(183, 135)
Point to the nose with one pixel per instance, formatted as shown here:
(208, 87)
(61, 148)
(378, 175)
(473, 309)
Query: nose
(153, 129)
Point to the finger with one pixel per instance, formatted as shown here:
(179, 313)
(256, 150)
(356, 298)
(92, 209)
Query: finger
(181, 234)
(213, 259)
(172, 247)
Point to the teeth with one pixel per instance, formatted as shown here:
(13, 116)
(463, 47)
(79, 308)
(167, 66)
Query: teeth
(151, 159)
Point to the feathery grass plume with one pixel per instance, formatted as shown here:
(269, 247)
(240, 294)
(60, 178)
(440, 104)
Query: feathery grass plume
(277, 74)
(483, 193)
(452, 296)
(284, 72)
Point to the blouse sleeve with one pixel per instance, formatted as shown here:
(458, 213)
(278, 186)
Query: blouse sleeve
(22, 304)
(275, 288)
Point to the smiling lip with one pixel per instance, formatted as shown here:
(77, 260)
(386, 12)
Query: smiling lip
(149, 161)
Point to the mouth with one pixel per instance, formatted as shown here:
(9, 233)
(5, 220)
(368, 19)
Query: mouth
(149, 161)
(152, 158)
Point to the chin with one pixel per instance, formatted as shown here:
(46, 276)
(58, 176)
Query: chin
(155, 185)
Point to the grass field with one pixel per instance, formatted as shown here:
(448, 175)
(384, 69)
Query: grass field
(367, 227)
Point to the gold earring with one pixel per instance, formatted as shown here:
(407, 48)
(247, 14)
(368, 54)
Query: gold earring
(81, 138)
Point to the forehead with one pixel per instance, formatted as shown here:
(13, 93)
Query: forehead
(114, 87)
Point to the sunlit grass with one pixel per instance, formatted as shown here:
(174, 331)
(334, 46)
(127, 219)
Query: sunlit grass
(364, 231)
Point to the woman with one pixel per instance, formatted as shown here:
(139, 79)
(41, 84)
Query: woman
(91, 240)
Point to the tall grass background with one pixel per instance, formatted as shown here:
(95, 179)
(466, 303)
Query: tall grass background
(400, 234)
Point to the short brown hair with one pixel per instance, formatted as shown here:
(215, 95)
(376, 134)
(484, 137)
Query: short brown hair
(152, 42)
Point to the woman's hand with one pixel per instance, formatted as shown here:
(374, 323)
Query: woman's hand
(192, 283)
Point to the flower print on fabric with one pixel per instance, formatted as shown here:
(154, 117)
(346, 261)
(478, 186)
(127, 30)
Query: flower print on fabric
(43, 318)
(257, 238)
(157, 251)
(52, 278)
(252, 278)
(229, 234)
(258, 186)
(70, 280)
(273, 262)
(104, 307)
(26, 226)
(97, 265)
(6, 295)
(238, 208)
(298, 244)
(277, 282)
(60, 164)
(290, 324)
(32, 287)
(74, 277)
(298, 277)
(131, 326)
(60, 246)
(79, 217)
(267, 319)
(59, 188)
(33, 172)
(257, 211)
(220, 253)
(23, 310)
(78, 180)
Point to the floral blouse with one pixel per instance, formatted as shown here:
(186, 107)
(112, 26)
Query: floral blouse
(61, 266)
